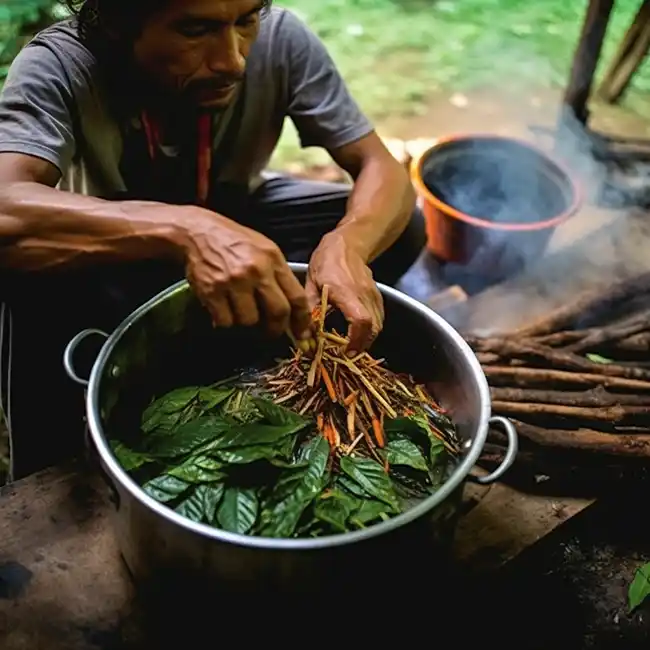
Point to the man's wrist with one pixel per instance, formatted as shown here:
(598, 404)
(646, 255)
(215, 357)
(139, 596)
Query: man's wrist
(351, 237)
(178, 226)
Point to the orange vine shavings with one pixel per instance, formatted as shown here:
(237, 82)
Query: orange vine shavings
(349, 397)
(351, 418)
(328, 384)
(378, 430)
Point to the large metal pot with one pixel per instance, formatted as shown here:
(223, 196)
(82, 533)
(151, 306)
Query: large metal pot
(169, 342)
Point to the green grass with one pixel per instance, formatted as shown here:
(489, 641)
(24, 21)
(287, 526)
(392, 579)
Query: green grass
(396, 54)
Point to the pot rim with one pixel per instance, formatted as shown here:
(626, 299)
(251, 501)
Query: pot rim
(115, 470)
(415, 169)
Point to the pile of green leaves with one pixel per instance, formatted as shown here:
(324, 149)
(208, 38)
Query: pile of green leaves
(222, 456)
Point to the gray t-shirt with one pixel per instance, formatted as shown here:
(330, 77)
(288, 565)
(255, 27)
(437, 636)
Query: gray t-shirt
(55, 106)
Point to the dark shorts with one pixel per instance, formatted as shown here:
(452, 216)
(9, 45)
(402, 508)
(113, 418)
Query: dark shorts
(44, 406)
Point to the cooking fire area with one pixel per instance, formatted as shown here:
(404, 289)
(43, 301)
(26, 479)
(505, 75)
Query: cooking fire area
(562, 332)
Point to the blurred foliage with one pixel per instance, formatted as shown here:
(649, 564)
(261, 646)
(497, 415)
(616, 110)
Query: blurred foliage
(396, 55)
(19, 21)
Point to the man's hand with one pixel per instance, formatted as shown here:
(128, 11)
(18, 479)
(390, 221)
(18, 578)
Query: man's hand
(351, 289)
(241, 277)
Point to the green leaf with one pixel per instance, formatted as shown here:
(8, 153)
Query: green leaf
(334, 508)
(165, 488)
(280, 416)
(408, 488)
(188, 437)
(401, 451)
(210, 398)
(127, 458)
(180, 406)
(369, 512)
(437, 448)
(596, 358)
(414, 428)
(199, 469)
(244, 455)
(351, 486)
(285, 464)
(419, 428)
(296, 490)
(640, 588)
(202, 504)
(240, 407)
(158, 413)
(238, 510)
(249, 435)
(370, 475)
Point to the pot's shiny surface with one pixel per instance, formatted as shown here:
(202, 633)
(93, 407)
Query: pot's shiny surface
(169, 342)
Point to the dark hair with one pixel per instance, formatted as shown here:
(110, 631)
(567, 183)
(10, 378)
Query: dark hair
(96, 18)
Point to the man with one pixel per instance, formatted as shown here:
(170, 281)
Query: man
(158, 117)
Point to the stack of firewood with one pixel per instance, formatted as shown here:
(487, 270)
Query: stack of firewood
(577, 379)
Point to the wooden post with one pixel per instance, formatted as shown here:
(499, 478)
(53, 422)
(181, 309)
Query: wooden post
(630, 55)
(586, 58)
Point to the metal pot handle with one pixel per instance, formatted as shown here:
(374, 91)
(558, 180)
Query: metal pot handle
(511, 453)
(69, 351)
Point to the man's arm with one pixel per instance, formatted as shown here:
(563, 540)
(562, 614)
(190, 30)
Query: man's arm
(229, 266)
(382, 200)
(233, 270)
(326, 115)
(42, 228)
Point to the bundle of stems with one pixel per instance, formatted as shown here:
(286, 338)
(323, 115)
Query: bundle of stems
(575, 381)
(351, 397)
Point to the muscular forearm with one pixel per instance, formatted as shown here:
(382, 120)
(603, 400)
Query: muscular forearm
(43, 228)
(379, 208)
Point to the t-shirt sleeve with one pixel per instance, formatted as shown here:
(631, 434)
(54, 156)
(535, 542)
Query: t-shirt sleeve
(320, 104)
(37, 108)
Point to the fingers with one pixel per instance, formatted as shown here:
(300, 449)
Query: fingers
(249, 280)
(297, 296)
(244, 306)
(219, 309)
(276, 307)
(365, 320)
(313, 292)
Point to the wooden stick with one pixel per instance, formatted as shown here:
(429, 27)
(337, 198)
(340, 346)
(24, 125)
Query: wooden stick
(637, 343)
(560, 359)
(613, 414)
(587, 440)
(589, 301)
(487, 358)
(560, 339)
(596, 397)
(524, 377)
(597, 337)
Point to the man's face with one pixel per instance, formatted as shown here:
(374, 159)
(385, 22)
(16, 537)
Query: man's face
(197, 49)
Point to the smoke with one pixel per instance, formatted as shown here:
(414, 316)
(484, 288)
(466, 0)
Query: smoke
(513, 280)
(607, 241)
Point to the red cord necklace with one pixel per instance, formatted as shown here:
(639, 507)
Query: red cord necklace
(204, 151)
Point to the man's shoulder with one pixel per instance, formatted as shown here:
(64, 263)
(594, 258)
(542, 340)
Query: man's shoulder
(62, 41)
(281, 28)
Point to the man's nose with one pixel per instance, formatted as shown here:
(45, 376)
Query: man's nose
(224, 56)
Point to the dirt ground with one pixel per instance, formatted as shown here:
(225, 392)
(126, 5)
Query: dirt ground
(509, 114)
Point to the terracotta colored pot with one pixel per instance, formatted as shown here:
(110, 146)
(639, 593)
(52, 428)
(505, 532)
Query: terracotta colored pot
(491, 201)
